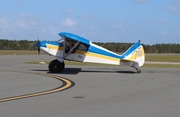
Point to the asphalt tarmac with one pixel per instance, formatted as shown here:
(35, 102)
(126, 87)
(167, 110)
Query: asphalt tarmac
(29, 90)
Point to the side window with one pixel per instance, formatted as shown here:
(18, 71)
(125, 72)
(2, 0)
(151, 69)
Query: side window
(82, 47)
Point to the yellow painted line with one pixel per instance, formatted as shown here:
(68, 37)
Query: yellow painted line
(66, 84)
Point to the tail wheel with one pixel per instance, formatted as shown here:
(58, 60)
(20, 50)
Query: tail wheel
(139, 71)
(56, 66)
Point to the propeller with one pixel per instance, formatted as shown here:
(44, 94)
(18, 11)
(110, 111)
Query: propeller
(38, 45)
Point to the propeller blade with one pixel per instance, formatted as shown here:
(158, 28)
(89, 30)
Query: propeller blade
(38, 45)
(38, 50)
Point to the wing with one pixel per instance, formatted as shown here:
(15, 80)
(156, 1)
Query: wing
(73, 37)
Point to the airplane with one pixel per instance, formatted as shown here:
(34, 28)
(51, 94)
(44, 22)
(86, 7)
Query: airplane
(76, 48)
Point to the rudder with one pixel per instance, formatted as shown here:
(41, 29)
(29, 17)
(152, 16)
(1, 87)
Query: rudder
(135, 54)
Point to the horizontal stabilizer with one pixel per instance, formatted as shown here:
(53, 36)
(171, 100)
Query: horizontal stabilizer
(135, 54)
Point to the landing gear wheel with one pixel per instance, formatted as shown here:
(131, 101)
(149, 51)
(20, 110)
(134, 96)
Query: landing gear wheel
(56, 66)
(138, 71)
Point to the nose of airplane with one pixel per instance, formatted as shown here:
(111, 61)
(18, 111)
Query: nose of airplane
(40, 44)
(37, 44)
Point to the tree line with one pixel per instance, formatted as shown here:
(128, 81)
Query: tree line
(17, 45)
(155, 48)
(115, 47)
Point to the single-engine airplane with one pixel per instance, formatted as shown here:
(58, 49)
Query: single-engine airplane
(76, 48)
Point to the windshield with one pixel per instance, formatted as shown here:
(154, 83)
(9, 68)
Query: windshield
(60, 40)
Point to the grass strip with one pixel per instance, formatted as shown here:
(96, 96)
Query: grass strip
(18, 52)
(163, 58)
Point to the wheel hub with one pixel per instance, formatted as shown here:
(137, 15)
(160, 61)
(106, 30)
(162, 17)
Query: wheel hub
(55, 66)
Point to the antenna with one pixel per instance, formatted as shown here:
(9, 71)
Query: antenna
(102, 44)
(83, 34)
(38, 43)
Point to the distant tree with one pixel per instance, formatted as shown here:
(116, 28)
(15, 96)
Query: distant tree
(116, 47)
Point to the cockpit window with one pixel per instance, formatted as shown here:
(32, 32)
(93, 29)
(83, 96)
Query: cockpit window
(82, 47)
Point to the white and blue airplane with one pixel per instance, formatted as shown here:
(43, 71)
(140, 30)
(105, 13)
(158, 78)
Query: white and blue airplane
(76, 48)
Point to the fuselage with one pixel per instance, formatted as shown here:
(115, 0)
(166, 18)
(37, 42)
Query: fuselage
(83, 53)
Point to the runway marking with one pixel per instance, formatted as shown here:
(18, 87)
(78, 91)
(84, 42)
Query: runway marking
(66, 85)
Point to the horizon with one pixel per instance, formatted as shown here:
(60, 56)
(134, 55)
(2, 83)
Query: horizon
(92, 41)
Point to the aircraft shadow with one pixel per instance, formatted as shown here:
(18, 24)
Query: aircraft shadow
(65, 71)
(70, 71)
(77, 70)
(105, 71)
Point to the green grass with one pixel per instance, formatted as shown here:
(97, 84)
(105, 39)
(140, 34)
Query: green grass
(163, 57)
(18, 52)
(160, 66)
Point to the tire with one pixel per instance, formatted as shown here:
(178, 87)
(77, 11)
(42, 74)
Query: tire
(56, 66)
(139, 71)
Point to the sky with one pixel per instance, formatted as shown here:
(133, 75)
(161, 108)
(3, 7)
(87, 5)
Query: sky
(123, 21)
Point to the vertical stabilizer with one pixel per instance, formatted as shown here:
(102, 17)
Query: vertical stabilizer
(135, 54)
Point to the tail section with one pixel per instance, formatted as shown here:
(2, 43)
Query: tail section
(135, 55)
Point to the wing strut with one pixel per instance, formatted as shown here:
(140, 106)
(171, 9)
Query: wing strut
(72, 49)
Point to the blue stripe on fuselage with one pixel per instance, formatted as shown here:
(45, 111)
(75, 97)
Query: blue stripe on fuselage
(131, 49)
(97, 50)
(43, 43)
(53, 43)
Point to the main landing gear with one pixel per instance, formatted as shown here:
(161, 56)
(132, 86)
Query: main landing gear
(56, 66)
